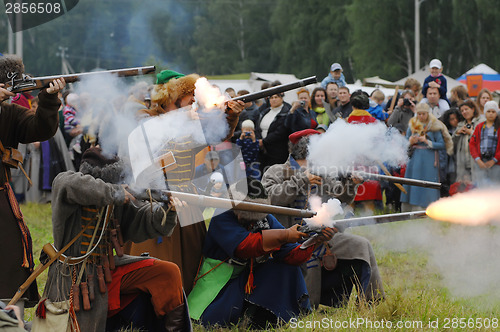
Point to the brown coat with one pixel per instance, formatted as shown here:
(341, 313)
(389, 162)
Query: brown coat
(184, 246)
(20, 125)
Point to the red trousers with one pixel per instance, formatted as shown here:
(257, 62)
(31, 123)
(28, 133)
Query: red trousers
(162, 281)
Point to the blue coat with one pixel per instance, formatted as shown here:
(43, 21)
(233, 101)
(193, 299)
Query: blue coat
(421, 167)
(279, 287)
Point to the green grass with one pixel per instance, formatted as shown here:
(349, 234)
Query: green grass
(242, 76)
(415, 290)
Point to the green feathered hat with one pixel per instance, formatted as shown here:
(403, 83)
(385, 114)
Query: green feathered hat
(166, 75)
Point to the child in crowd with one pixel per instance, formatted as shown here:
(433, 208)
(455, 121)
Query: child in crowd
(484, 146)
(376, 109)
(334, 76)
(436, 80)
(249, 149)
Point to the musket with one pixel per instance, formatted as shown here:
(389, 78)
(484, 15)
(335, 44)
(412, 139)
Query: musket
(342, 224)
(276, 89)
(396, 179)
(22, 82)
(223, 203)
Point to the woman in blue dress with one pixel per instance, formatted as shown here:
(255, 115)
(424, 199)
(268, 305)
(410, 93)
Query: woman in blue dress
(426, 139)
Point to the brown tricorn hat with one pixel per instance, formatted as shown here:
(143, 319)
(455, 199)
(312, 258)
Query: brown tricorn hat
(10, 64)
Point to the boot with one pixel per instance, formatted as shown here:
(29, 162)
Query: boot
(177, 320)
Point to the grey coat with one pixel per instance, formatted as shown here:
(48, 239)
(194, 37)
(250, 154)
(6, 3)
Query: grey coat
(284, 185)
(462, 153)
(72, 191)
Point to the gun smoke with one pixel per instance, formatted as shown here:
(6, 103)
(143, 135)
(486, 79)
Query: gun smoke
(465, 257)
(344, 146)
(103, 112)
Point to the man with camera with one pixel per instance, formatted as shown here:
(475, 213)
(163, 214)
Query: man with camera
(404, 111)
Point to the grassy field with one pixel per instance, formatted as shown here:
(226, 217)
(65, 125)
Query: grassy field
(243, 76)
(417, 295)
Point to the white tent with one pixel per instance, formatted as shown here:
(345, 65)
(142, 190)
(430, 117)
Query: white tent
(481, 69)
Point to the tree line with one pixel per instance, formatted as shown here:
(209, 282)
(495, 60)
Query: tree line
(219, 37)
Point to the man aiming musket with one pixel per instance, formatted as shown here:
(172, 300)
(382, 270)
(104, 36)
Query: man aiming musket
(19, 125)
(292, 184)
(173, 95)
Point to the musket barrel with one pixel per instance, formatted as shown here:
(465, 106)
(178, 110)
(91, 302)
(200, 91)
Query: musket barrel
(276, 89)
(124, 72)
(223, 203)
(395, 179)
(379, 219)
(32, 83)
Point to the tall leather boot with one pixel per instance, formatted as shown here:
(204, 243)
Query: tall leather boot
(175, 320)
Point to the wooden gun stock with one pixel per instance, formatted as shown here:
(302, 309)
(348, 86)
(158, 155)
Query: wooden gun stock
(27, 83)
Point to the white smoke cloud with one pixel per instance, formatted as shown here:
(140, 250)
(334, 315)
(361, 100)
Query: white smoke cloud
(345, 145)
(325, 211)
(466, 257)
(102, 98)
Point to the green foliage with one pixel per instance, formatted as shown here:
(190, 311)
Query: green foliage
(221, 37)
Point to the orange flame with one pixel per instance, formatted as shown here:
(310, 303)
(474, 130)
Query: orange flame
(473, 208)
(207, 95)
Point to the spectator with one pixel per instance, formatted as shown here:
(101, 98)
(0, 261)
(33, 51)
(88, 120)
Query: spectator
(436, 80)
(202, 172)
(436, 105)
(461, 137)
(230, 92)
(332, 95)
(450, 118)
(425, 137)
(402, 114)
(458, 95)
(369, 195)
(249, 149)
(345, 108)
(415, 86)
(483, 97)
(272, 133)
(301, 115)
(360, 103)
(44, 161)
(72, 127)
(136, 100)
(264, 102)
(251, 112)
(335, 75)
(319, 105)
(376, 110)
(485, 147)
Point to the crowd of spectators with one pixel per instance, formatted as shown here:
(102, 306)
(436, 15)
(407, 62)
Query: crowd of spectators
(445, 144)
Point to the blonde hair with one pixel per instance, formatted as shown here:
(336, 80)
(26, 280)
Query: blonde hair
(378, 95)
(422, 107)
